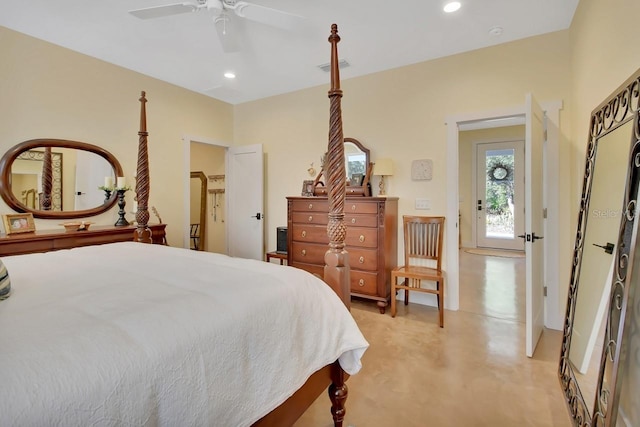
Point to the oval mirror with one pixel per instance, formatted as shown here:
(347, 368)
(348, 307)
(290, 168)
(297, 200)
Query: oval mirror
(57, 178)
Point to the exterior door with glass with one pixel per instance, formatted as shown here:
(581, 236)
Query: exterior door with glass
(500, 195)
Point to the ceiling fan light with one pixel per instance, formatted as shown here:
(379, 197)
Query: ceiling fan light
(230, 75)
(452, 6)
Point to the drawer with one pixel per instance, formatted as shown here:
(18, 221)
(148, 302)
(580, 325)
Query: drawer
(363, 259)
(315, 269)
(360, 220)
(363, 282)
(310, 217)
(310, 233)
(309, 253)
(310, 206)
(362, 237)
(353, 207)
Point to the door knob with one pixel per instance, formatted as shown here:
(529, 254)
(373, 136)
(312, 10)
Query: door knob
(534, 237)
(608, 248)
(257, 216)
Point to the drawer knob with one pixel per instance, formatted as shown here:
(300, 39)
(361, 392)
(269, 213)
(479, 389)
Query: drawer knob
(304, 233)
(353, 207)
(310, 205)
(304, 252)
(361, 238)
(361, 282)
(350, 191)
(353, 220)
(310, 218)
(361, 260)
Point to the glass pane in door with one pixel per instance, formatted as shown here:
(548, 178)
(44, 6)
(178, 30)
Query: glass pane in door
(499, 197)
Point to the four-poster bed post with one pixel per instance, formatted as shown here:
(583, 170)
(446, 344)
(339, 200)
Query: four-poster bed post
(142, 233)
(336, 271)
(47, 180)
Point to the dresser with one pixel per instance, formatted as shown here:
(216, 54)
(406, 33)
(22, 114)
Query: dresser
(371, 241)
(51, 240)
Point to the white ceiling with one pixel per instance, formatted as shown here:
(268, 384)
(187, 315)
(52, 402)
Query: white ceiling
(184, 49)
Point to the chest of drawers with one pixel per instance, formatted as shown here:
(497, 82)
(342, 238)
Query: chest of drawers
(371, 242)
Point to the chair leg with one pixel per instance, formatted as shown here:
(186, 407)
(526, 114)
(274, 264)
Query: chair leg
(406, 292)
(393, 296)
(441, 302)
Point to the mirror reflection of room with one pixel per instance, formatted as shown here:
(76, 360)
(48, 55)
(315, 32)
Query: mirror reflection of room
(76, 175)
(601, 235)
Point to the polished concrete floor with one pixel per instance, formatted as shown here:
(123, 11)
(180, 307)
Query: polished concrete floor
(473, 372)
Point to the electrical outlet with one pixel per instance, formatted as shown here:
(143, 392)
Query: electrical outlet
(423, 204)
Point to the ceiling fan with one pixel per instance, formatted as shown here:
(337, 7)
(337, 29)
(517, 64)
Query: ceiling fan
(224, 12)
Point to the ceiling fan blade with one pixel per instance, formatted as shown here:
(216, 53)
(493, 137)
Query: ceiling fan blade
(269, 16)
(229, 33)
(165, 10)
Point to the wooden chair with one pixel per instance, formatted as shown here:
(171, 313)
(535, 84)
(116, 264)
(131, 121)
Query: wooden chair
(423, 236)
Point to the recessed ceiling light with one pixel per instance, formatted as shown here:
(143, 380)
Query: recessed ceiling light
(230, 75)
(452, 6)
(496, 31)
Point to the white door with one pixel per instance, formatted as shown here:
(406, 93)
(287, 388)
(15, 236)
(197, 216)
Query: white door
(500, 195)
(245, 229)
(91, 170)
(534, 223)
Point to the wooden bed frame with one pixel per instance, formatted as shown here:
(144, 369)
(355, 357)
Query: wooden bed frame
(336, 271)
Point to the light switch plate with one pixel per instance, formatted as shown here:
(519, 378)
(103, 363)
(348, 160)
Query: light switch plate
(423, 204)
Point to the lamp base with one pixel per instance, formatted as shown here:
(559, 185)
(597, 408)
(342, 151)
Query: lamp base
(381, 192)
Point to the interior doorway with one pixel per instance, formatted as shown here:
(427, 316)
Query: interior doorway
(205, 227)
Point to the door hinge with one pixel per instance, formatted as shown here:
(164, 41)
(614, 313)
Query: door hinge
(544, 213)
(545, 291)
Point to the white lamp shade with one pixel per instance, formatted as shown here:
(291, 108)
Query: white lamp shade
(383, 167)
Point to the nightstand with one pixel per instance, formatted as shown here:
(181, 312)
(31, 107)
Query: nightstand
(278, 255)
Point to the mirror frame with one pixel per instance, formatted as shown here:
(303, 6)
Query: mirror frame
(352, 190)
(12, 154)
(619, 108)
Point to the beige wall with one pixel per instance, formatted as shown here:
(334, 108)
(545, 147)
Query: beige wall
(401, 114)
(51, 92)
(604, 53)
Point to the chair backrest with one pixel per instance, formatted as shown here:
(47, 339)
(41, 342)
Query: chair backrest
(423, 237)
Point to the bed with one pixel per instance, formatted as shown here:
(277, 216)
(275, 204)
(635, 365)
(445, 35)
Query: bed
(139, 334)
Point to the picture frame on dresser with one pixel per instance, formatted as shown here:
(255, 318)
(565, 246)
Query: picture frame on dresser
(307, 188)
(18, 223)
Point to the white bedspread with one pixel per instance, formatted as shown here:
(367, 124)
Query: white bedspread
(129, 334)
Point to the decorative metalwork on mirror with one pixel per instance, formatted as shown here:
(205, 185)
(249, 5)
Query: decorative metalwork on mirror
(56, 175)
(621, 108)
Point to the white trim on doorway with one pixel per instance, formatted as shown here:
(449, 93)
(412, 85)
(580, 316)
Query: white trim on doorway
(498, 118)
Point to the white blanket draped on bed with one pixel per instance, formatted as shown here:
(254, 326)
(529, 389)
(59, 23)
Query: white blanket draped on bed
(139, 335)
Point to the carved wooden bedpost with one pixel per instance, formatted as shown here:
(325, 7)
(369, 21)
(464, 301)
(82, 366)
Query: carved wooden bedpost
(336, 269)
(142, 233)
(47, 180)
